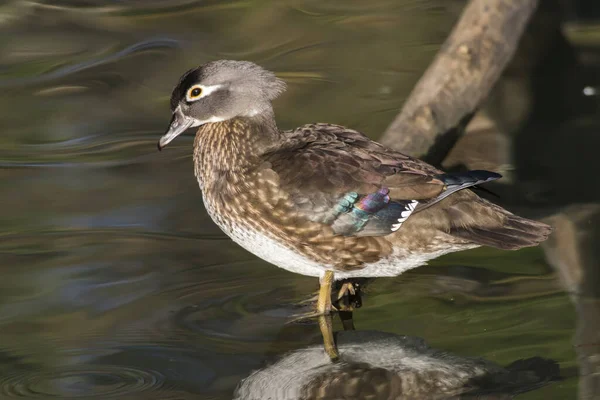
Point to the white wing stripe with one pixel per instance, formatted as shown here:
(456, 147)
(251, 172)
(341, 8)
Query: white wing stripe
(410, 207)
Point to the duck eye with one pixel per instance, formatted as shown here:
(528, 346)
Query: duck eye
(194, 93)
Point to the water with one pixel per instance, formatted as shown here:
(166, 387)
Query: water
(114, 282)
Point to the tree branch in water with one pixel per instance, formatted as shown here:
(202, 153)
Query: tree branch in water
(459, 78)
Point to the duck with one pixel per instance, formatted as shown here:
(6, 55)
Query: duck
(324, 200)
(383, 365)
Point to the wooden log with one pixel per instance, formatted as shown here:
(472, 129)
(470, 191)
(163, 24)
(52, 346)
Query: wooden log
(459, 78)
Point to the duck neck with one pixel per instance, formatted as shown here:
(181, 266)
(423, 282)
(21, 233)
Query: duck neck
(227, 152)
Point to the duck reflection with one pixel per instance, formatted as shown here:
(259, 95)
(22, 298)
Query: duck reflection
(378, 365)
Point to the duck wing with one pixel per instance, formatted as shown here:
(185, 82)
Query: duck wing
(341, 178)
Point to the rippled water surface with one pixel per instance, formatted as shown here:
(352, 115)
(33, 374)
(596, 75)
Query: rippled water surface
(115, 284)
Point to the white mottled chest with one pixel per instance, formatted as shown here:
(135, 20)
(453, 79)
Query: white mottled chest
(265, 247)
(276, 252)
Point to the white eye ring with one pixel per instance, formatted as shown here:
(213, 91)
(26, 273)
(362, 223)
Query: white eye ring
(196, 92)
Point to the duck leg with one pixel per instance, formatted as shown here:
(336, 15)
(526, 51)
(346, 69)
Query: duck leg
(348, 295)
(348, 299)
(347, 320)
(324, 311)
(323, 297)
(342, 297)
(347, 289)
(324, 300)
(326, 326)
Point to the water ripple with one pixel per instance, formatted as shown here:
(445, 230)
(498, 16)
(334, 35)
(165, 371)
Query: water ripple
(131, 8)
(78, 382)
(85, 65)
(106, 151)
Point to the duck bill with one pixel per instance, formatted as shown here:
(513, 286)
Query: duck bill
(179, 124)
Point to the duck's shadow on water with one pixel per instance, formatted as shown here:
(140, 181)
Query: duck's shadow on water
(379, 365)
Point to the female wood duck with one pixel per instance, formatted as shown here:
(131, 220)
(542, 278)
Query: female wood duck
(324, 200)
(380, 365)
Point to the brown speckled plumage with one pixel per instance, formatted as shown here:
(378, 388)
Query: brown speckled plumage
(301, 190)
(248, 191)
(281, 183)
